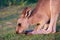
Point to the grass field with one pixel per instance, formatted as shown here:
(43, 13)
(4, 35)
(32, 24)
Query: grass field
(8, 18)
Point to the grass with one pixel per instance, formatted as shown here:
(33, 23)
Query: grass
(7, 32)
(13, 36)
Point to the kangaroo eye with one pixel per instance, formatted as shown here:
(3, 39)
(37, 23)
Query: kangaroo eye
(19, 24)
(38, 24)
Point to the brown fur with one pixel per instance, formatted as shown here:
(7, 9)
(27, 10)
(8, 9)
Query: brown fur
(44, 11)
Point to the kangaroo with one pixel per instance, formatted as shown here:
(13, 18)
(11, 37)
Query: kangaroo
(44, 12)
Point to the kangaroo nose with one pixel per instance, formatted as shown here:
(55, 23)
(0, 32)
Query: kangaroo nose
(19, 24)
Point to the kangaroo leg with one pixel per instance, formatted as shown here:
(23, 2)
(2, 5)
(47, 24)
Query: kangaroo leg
(38, 29)
(46, 26)
(54, 8)
(51, 28)
(54, 25)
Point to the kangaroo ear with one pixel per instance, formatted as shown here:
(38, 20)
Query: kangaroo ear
(26, 12)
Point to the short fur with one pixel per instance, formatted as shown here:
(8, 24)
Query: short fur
(44, 11)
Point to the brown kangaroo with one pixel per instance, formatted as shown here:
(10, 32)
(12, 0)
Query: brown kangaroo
(45, 10)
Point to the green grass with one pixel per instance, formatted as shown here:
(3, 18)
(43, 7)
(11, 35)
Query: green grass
(13, 36)
(8, 33)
